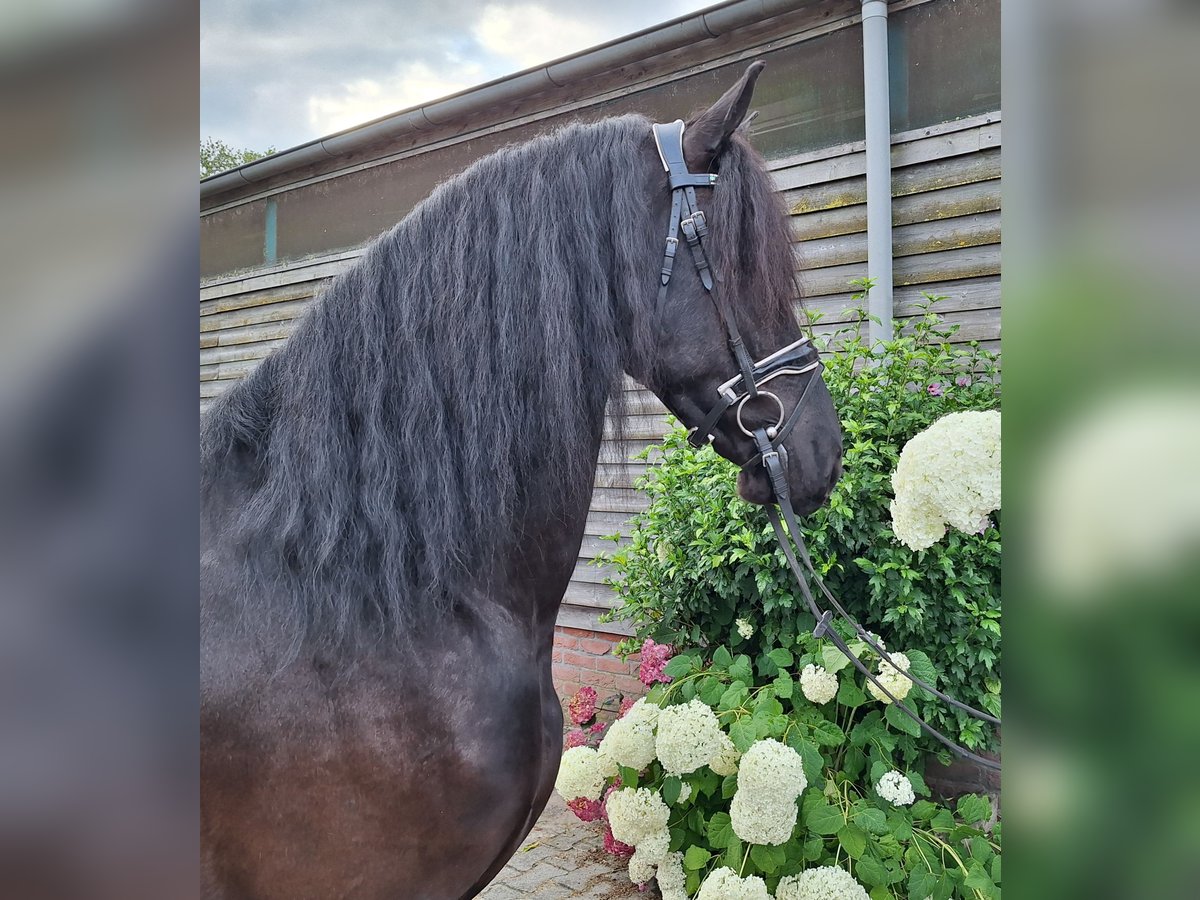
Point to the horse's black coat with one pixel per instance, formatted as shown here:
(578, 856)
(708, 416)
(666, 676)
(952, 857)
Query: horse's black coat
(393, 503)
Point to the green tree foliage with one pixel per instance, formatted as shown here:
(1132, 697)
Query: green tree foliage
(700, 559)
(217, 156)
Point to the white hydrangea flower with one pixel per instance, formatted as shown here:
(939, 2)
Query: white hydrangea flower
(640, 871)
(639, 816)
(725, 761)
(582, 773)
(662, 549)
(770, 778)
(689, 735)
(685, 791)
(891, 677)
(821, 883)
(817, 685)
(896, 789)
(724, 884)
(947, 474)
(672, 880)
(630, 739)
(744, 628)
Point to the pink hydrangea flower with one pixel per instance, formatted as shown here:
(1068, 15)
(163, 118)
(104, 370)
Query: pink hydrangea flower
(963, 381)
(654, 660)
(582, 706)
(575, 738)
(935, 389)
(615, 847)
(598, 728)
(626, 706)
(586, 810)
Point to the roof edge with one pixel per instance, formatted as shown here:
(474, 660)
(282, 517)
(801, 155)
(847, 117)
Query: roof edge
(706, 24)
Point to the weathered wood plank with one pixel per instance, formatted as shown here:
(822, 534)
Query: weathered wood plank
(969, 293)
(593, 545)
(580, 598)
(907, 240)
(599, 524)
(641, 427)
(250, 334)
(850, 165)
(302, 271)
(238, 351)
(618, 500)
(588, 572)
(974, 325)
(947, 203)
(932, 176)
(210, 389)
(248, 298)
(254, 315)
(925, 268)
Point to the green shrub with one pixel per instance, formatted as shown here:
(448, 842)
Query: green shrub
(700, 559)
(845, 788)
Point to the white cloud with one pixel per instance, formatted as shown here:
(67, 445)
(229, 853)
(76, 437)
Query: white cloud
(363, 99)
(528, 34)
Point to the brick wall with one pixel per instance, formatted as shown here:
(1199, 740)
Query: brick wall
(586, 658)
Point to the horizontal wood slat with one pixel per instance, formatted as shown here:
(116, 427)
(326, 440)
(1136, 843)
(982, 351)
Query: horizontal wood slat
(907, 240)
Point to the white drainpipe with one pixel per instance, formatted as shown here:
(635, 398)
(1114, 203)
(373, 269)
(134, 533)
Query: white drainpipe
(879, 166)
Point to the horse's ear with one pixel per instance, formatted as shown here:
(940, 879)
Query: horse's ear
(706, 136)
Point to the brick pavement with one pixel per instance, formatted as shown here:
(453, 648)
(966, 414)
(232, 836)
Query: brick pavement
(563, 858)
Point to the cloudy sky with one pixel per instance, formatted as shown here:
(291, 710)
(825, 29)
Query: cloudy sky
(281, 72)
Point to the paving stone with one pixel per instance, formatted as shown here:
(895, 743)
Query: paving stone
(559, 861)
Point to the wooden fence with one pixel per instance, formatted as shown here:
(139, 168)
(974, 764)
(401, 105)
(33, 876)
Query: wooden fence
(946, 240)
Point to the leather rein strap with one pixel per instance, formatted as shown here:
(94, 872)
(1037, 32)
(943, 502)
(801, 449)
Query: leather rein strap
(798, 358)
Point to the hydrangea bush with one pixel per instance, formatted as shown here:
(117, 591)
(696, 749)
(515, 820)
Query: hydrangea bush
(779, 776)
(702, 568)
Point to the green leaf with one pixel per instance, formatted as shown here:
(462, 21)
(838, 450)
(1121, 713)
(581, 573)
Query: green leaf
(849, 694)
(873, 820)
(810, 757)
(720, 830)
(781, 657)
(853, 840)
(901, 721)
(783, 685)
(828, 734)
(695, 858)
(711, 691)
(978, 878)
(629, 777)
(923, 810)
(973, 808)
(733, 697)
(733, 855)
(871, 871)
(678, 666)
(743, 733)
(670, 790)
(922, 884)
(769, 859)
(943, 821)
(824, 819)
(742, 670)
(834, 659)
(721, 658)
(729, 787)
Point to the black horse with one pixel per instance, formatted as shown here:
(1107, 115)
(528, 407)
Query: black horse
(393, 502)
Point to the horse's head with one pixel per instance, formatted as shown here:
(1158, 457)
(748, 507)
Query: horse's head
(748, 250)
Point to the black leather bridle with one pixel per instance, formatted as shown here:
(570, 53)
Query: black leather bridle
(795, 359)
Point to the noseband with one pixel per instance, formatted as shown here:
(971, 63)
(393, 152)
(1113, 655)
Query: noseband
(797, 358)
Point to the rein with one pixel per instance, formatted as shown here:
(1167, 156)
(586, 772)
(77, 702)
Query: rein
(795, 359)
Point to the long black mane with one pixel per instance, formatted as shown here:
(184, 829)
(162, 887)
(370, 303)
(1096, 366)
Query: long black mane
(458, 373)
